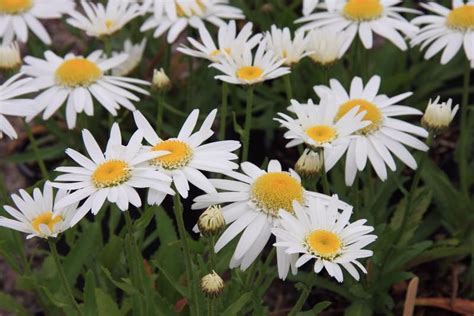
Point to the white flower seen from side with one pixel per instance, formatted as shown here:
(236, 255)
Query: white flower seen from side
(227, 40)
(77, 80)
(113, 175)
(38, 214)
(280, 42)
(100, 20)
(187, 155)
(10, 58)
(323, 234)
(134, 54)
(438, 115)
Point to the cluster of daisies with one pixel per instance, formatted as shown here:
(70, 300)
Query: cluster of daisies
(355, 121)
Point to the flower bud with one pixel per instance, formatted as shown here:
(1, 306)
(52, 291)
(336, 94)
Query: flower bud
(212, 285)
(325, 46)
(211, 222)
(310, 163)
(438, 116)
(10, 58)
(160, 81)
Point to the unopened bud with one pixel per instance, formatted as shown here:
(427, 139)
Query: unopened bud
(310, 163)
(160, 82)
(212, 285)
(10, 58)
(211, 222)
(438, 116)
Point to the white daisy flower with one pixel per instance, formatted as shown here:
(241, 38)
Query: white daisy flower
(280, 43)
(77, 79)
(438, 116)
(447, 30)
(11, 106)
(240, 67)
(19, 16)
(10, 58)
(175, 15)
(100, 21)
(319, 127)
(187, 156)
(254, 200)
(325, 46)
(321, 233)
(38, 215)
(135, 55)
(227, 40)
(365, 17)
(114, 175)
(386, 135)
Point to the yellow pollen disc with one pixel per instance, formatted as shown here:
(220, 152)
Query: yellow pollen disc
(109, 24)
(461, 17)
(249, 72)
(111, 173)
(77, 72)
(15, 6)
(179, 156)
(324, 243)
(373, 114)
(363, 10)
(180, 12)
(45, 219)
(217, 52)
(322, 133)
(276, 190)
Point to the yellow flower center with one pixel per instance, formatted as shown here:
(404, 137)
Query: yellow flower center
(324, 243)
(111, 174)
(109, 24)
(461, 17)
(249, 72)
(363, 10)
(47, 219)
(218, 52)
(77, 72)
(322, 133)
(15, 6)
(276, 190)
(179, 156)
(373, 114)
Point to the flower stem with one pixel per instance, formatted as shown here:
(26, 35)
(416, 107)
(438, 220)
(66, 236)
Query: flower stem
(62, 275)
(463, 151)
(212, 266)
(325, 176)
(178, 212)
(223, 114)
(288, 88)
(302, 299)
(39, 159)
(159, 111)
(248, 123)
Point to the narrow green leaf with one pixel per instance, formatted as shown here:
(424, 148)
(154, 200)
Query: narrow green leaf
(238, 305)
(90, 305)
(105, 304)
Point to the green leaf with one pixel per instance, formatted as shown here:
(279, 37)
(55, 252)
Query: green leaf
(359, 308)
(90, 306)
(125, 285)
(318, 308)
(145, 219)
(105, 304)
(80, 254)
(9, 304)
(237, 128)
(111, 252)
(45, 153)
(238, 305)
(178, 287)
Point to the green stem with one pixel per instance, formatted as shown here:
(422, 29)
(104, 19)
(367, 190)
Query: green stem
(288, 88)
(463, 159)
(325, 176)
(223, 114)
(39, 159)
(178, 212)
(212, 266)
(302, 299)
(248, 123)
(62, 275)
(251, 274)
(264, 268)
(159, 111)
(3, 189)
